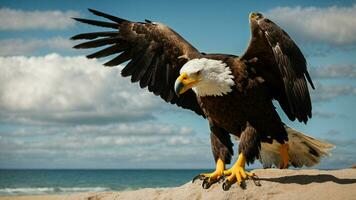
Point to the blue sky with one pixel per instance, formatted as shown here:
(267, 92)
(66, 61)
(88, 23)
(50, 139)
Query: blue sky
(60, 110)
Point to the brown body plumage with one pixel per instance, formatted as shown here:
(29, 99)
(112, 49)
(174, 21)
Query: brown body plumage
(248, 108)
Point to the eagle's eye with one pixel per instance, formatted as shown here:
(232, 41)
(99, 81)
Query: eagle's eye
(198, 72)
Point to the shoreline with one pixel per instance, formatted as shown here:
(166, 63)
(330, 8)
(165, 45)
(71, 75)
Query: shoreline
(276, 184)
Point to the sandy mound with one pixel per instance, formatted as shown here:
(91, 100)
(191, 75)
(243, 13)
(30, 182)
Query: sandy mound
(276, 184)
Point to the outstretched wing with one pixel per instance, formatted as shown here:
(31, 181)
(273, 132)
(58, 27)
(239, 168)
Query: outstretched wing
(283, 66)
(154, 51)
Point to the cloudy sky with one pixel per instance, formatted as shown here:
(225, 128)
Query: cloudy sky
(61, 110)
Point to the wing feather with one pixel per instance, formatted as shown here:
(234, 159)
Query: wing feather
(153, 52)
(107, 51)
(141, 68)
(90, 36)
(97, 23)
(123, 57)
(129, 69)
(97, 43)
(282, 65)
(107, 16)
(145, 80)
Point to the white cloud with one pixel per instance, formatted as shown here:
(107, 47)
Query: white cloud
(73, 112)
(17, 47)
(343, 155)
(330, 92)
(12, 19)
(334, 71)
(72, 90)
(115, 143)
(331, 25)
(326, 115)
(69, 139)
(98, 136)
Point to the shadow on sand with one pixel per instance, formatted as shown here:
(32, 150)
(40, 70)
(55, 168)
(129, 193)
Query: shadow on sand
(307, 179)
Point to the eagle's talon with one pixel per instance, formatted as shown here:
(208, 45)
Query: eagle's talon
(199, 176)
(211, 178)
(243, 185)
(221, 179)
(226, 185)
(237, 174)
(256, 180)
(209, 181)
(206, 183)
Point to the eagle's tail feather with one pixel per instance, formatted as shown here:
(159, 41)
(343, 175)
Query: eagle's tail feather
(303, 150)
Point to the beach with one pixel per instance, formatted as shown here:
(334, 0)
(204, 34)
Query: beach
(275, 184)
(34, 197)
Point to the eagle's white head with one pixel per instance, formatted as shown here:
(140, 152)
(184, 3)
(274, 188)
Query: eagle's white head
(206, 77)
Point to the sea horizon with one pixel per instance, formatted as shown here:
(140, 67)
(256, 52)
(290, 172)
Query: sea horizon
(14, 182)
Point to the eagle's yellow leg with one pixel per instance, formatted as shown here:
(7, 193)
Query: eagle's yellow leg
(237, 173)
(219, 171)
(284, 156)
(211, 178)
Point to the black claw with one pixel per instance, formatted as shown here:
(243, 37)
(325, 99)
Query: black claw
(221, 179)
(206, 183)
(200, 177)
(226, 185)
(255, 180)
(243, 185)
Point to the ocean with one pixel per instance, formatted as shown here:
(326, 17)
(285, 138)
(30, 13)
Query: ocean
(36, 182)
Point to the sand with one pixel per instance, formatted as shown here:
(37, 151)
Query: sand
(34, 197)
(276, 184)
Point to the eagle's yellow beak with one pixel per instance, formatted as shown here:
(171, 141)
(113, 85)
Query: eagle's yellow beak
(255, 15)
(184, 83)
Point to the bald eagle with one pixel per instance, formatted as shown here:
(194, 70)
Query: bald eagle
(233, 93)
